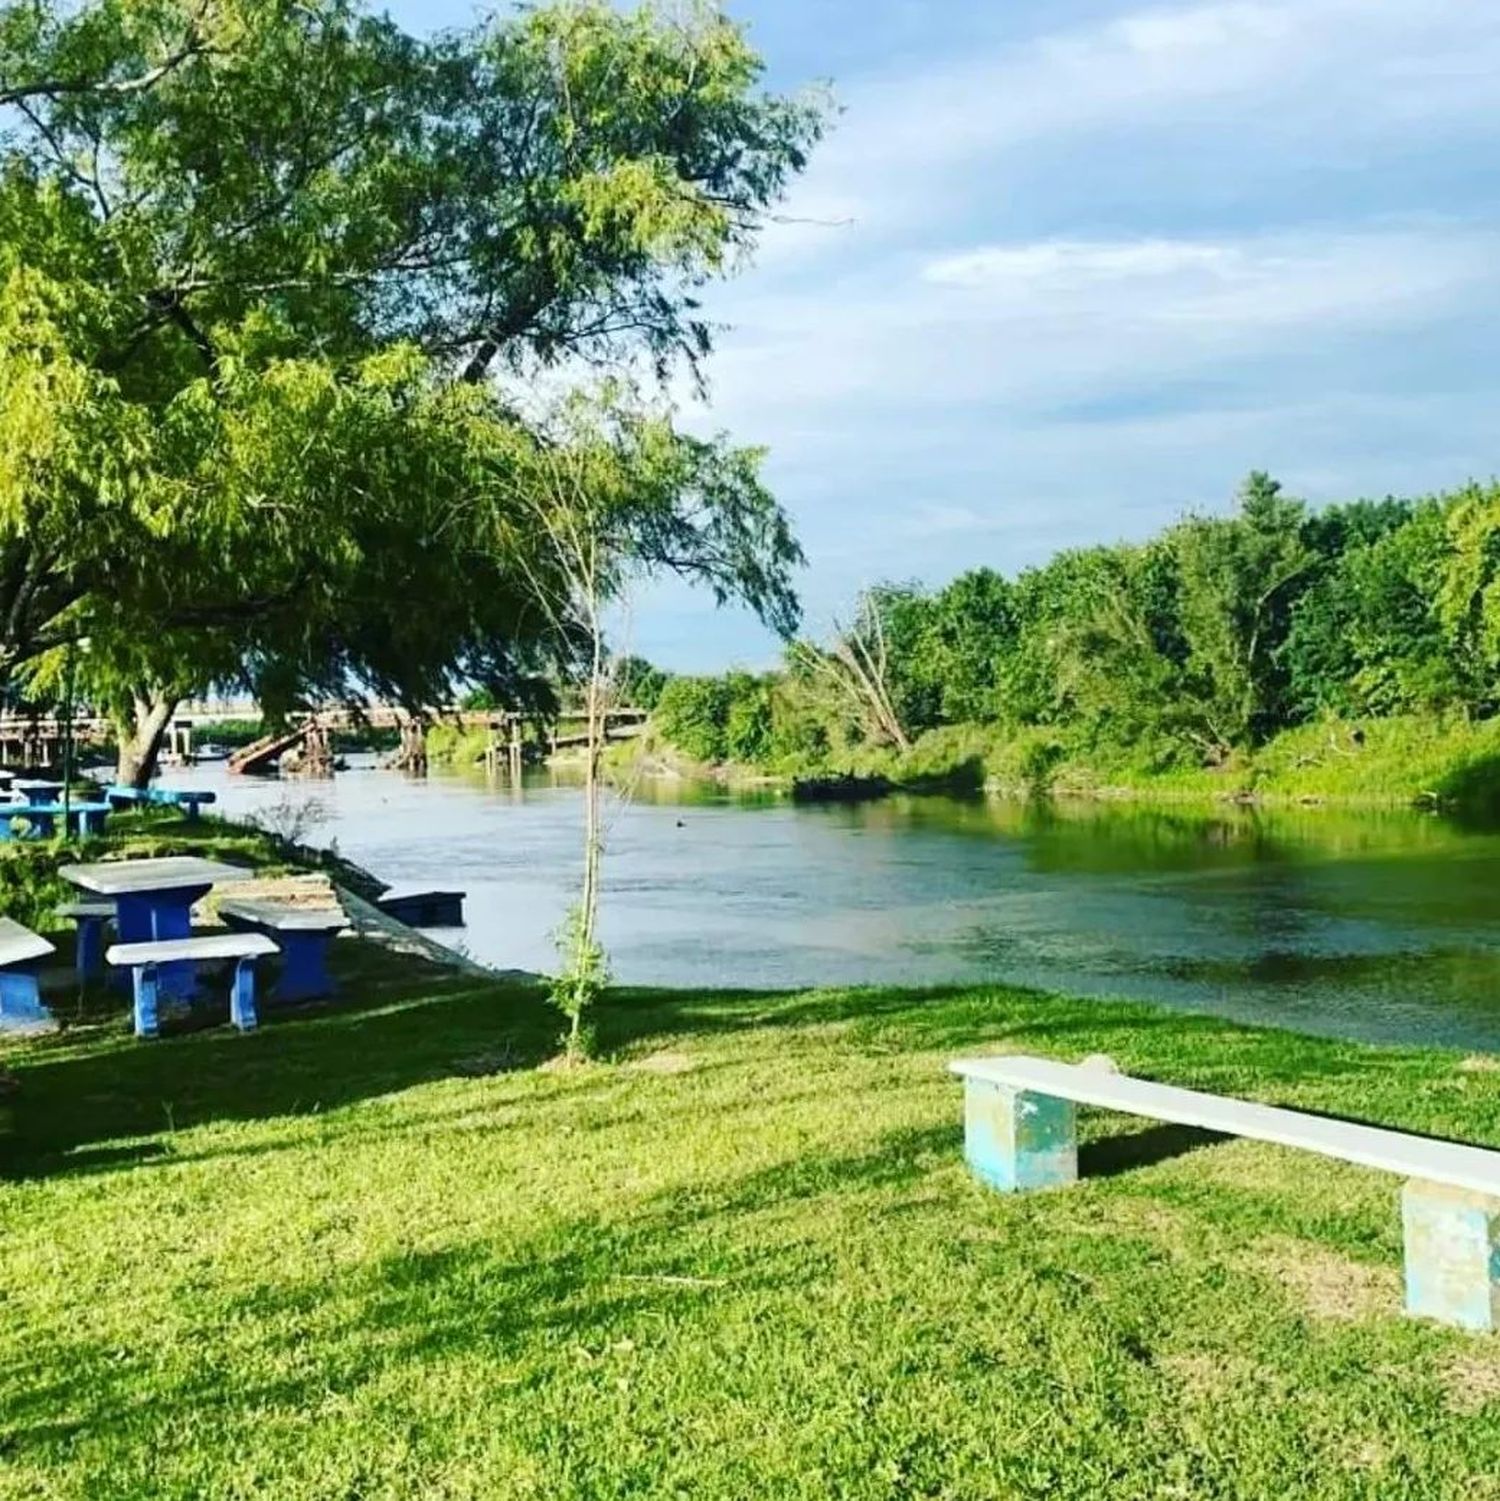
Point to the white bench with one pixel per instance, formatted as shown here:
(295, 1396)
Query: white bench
(1020, 1133)
(144, 960)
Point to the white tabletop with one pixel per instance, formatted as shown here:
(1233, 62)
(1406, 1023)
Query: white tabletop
(284, 917)
(18, 944)
(130, 877)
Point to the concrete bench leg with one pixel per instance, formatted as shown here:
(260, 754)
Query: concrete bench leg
(1452, 1255)
(242, 996)
(304, 974)
(1015, 1140)
(147, 1021)
(21, 1008)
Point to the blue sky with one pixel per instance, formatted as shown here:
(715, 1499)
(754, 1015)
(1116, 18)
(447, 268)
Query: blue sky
(1064, 271)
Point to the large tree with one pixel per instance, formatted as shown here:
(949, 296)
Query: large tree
(247, 244)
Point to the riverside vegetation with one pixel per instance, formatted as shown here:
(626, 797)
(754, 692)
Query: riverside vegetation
(1349, 652)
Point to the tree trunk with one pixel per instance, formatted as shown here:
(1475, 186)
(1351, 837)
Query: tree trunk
(141, 738)
(593, 835)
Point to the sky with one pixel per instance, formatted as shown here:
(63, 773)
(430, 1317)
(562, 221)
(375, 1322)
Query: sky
(1064, 271)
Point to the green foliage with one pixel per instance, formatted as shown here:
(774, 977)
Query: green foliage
(258, 264)
(693, 714)
(580, 984)
(638, 684)
(1178, 661)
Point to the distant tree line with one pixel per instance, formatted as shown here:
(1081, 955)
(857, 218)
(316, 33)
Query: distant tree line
(1184, 650)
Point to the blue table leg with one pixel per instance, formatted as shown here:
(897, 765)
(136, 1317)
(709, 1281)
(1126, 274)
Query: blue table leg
(91, 947)
(146, 984)
(242, 996)
(154, 917)
(304, 973)
(21, 1008)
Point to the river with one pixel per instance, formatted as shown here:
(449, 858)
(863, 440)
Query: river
(1378, 927)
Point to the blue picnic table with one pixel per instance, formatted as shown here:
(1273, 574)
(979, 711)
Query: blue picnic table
(38, 792)
(165, 797)
(42, 818)
(154, 902)
(21, 955)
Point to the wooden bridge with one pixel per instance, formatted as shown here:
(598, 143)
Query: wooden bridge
(36, 742)
(311, 734)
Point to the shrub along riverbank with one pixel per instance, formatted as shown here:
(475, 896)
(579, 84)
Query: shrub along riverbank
(1404, 761)
(376, 1249)
(1281, 651)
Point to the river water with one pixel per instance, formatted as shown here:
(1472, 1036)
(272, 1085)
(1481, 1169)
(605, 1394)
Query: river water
(1381, 927)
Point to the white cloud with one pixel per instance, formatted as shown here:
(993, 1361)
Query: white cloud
(1316, 76)
(1070, 263)
(1028, 324)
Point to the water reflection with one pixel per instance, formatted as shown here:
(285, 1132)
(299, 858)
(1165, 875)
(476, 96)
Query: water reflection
(1378, 926)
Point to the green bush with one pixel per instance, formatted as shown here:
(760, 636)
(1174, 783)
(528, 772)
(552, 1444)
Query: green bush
(693, 714)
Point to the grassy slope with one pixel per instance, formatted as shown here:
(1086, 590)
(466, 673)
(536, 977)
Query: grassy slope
(742, 1258)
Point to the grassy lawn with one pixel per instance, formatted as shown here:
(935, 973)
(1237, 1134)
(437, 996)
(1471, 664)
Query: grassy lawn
(378, 1251)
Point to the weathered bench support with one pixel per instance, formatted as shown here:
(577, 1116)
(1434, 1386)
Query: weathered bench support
(242, 996)
(146, 988)
(1020, 1133)
(1452, 1255)
(1015, 1139)
(92, 920)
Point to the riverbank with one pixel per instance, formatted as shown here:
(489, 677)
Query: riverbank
(1401, 762)
(382, 1249)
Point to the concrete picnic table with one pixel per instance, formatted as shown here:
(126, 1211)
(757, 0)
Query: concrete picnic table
(301, 933)
(38, 792)
(154, 901)
(190, 802)
(21, 954)
(87, 818)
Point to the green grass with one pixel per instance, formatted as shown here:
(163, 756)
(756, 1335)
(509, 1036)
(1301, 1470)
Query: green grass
(739, 1258)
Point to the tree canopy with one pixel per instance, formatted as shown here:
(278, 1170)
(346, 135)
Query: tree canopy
(266, 270)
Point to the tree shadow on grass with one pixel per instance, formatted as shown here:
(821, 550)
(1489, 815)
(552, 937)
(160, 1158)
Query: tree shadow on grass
(575, 1285)
(296, 1064)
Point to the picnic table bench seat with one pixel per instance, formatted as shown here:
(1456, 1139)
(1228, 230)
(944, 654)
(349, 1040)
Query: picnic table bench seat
(301, 933)
(145, 959)
(21, 954)
(1020, 1133)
